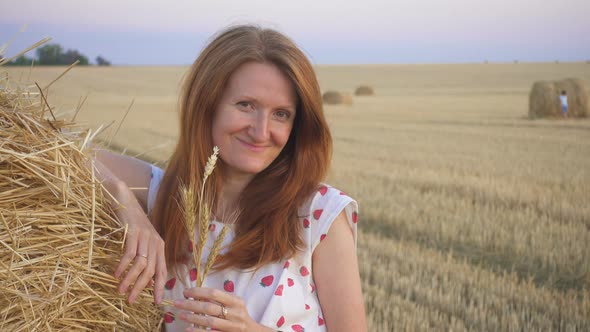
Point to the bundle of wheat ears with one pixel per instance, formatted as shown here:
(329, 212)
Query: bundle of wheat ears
(59, 238)
(200, 221)
(196, 209)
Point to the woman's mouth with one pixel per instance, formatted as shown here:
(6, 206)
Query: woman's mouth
(252, 147)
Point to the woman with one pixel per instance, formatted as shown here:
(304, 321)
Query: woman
(289, 261)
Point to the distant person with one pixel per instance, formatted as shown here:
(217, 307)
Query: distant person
(563, 99)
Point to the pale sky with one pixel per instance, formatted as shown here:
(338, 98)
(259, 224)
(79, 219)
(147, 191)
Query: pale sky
(331, 32)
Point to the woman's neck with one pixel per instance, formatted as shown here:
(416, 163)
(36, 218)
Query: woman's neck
(230, 194)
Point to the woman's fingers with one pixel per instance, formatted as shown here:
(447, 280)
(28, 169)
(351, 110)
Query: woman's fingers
(213, 294)
(161, 272)
(140, 260)
(215, 309)
(144, 251)
(139, 265)
(214, 323)
(145, 275)
(201, 307)
(128, 256)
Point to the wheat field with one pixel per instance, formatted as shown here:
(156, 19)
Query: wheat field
(473, 217)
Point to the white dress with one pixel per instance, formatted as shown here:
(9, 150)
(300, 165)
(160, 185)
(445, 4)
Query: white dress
(281, 295)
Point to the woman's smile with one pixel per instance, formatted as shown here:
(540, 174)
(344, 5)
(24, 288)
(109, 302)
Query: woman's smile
(254, 118)
(252, 147)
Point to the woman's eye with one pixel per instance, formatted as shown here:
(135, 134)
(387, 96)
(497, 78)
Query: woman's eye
(245, 104)
(283, 115)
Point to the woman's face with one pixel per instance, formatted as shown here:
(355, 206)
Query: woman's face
(254, 118)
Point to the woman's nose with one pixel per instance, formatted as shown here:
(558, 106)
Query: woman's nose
(259, 129)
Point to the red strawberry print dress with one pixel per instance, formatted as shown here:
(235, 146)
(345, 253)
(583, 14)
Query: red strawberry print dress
(282, 295)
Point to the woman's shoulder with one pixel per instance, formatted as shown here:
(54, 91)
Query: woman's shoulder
(327, 197)
(155, 177)
(321, 209)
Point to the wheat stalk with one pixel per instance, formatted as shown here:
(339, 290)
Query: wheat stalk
(201, 221)
(203, 234)
(215, 250)
(190, 217)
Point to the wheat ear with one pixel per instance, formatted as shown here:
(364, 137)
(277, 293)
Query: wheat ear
(203, 234)
(205, 202)
(215, 250)
(190, 217)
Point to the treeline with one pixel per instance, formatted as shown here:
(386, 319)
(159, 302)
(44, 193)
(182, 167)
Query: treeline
(54, 55)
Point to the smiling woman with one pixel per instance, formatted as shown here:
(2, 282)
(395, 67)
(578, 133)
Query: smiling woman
(254, 118)
(289, 261)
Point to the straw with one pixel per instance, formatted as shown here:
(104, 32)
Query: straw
(60, 240)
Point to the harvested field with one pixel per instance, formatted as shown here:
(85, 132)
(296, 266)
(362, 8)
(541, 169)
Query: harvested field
(472, 215)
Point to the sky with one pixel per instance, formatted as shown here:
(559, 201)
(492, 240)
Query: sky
(134, 32)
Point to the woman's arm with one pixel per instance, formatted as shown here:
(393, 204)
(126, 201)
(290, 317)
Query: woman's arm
(336, 276)
(144, 248)
(133, 172)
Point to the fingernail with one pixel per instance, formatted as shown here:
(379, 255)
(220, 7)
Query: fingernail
(178, 302)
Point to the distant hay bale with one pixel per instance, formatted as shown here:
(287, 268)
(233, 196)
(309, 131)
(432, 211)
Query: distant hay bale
(544, 98)
(60, 239)
(364, 90)
(347, 98)
(332, 97)
(577, 96)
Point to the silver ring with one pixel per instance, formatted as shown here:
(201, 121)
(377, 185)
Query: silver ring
(142, 255)
(223, 314)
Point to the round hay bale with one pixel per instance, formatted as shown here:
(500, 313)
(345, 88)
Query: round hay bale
(364, 90)
(60, 238)
(332, 98)
(346, 98)
(544, 98)
(577, 96)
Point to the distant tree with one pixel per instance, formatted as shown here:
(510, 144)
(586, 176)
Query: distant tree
(53, 55)
(50, 55)
(20, 61)
(102, 61)
(71, 56)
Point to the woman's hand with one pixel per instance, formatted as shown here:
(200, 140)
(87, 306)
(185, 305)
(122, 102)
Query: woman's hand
(144, 250)
(217, 310)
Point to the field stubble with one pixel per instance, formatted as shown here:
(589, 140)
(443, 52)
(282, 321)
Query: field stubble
(473, 217)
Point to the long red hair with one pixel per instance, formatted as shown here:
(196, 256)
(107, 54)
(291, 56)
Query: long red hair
(268, 229)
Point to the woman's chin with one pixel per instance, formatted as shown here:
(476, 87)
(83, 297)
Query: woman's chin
(248, 169)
